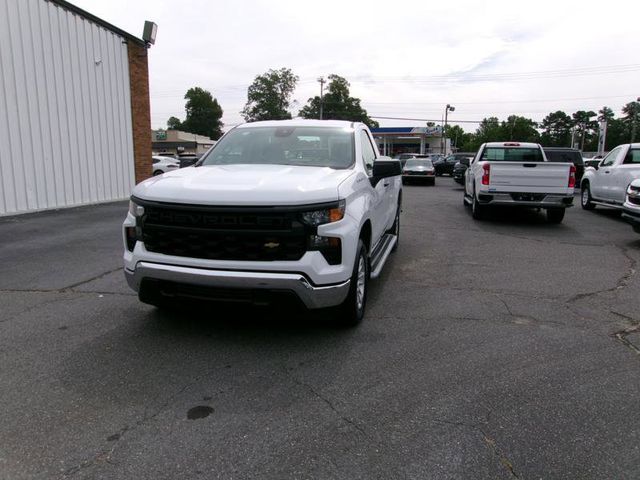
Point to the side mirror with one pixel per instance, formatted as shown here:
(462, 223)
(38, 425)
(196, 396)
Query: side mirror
(385, 167)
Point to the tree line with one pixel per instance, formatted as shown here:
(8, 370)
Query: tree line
(557, 129)
(269, 98)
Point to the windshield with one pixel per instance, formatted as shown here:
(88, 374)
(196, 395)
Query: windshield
(304, 146)
(419, 163)
(506, 154)
(564, 156)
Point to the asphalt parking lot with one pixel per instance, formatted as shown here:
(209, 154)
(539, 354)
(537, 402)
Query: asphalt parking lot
(497, 349)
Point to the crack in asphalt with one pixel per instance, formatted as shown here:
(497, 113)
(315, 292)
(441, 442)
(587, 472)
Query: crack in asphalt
(622, 335)
(116, 438)
(68, 288)
(488, 440)
(621, 283)
(328, 402)
(504, 460)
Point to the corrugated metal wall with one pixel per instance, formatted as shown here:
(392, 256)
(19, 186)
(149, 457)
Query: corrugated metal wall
(65, 109)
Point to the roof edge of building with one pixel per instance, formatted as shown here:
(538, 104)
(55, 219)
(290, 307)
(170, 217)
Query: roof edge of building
(97, 20)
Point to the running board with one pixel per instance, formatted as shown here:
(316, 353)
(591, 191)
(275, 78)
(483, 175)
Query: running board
(617, 206)
(381, 253)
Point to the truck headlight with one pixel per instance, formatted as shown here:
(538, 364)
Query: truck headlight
(135, 209)
(328, 215)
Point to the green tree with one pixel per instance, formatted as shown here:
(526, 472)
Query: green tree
(203, 114)
(489, 130)
(456, 135)
(268, 97)
(585, 128)
(519, 128)
(556, 129)
(337, 104)
(174, 123)
(605, 113)
(631, 117)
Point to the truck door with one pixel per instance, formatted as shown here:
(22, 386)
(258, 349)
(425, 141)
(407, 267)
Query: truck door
(379, 191)
(626, 170)
(601, 181)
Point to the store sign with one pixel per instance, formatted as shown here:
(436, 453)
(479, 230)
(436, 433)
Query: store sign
(161, 135)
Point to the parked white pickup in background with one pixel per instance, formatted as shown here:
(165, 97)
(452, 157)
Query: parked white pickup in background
(607, 183)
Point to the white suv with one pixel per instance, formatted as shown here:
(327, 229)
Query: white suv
(302, 207)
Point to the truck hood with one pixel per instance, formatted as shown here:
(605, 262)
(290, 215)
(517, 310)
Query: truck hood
(245, 185)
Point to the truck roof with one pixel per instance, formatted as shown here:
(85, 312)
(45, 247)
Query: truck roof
(300, 122)
(512, 144)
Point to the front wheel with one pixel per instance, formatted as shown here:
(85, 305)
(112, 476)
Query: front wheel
(555, 215)
(395, 229)
(585, 198)
(352, 309)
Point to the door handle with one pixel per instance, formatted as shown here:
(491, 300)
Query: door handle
(386, 184)
(607, 171)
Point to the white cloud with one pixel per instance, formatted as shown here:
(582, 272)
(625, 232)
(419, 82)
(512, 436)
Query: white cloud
(390, 52)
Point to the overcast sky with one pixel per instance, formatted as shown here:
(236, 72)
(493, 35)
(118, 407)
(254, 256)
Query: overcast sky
(403, 59)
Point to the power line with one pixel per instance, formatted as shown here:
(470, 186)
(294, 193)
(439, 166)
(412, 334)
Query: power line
(505, 101)
(425, 119)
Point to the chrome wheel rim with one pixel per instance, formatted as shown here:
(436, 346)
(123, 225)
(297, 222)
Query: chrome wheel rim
(360, 286)
(585, 196)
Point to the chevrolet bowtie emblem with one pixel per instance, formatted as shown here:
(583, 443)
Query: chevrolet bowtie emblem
(271, 245)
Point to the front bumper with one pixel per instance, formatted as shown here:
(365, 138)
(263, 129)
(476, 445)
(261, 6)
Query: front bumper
(312, 296)
(507, 199)
(632, 215)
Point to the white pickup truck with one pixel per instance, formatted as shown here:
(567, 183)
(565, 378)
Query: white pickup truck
(302, 208)
(518, 174)
(607, 183)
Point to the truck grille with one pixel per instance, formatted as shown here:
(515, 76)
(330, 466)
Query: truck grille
(218, 234)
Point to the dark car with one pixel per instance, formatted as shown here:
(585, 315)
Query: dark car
(403, 157)
(419, 169)
(460, 168)
(447, 164)
(188, 159)
(566, 155)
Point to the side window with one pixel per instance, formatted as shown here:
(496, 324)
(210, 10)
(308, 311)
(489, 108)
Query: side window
(610, 158)
(368, 153)
(633, 156)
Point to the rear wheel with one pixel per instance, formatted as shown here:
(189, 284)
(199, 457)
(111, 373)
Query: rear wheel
(585, 198)
(352, 309)
(157, 172)
(555, 215)
(477, 210)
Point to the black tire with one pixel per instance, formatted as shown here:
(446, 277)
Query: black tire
(351, 312)
(477, 211)
(555, 215)
(431, 181)
(157, 172)
(586, 200)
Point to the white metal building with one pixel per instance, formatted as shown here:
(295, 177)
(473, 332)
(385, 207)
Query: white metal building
(66, 134)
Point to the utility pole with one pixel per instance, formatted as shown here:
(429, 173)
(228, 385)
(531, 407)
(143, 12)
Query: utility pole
(321, 80)
(448, 108)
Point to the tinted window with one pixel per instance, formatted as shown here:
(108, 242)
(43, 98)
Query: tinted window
(419, 163)
(506, 154)
(560, 156)
(633, 156)
(304, 146)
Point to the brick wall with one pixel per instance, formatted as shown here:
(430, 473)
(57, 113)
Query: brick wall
(140, 109)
